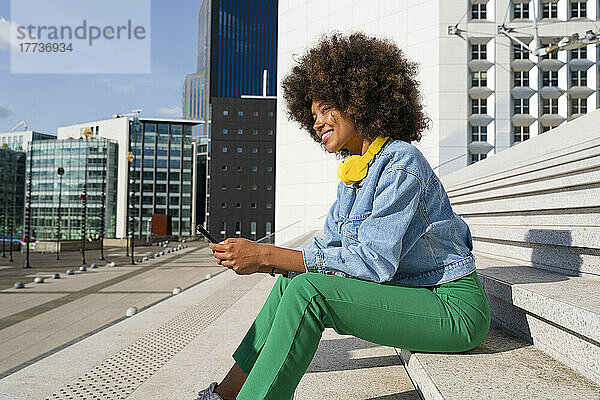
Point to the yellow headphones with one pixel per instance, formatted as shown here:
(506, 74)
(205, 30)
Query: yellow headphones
(354, 168)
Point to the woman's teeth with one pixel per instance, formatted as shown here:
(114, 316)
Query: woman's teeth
(326, 136)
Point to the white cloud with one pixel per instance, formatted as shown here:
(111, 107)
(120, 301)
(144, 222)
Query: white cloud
(5, 112)
(5, 27)
(171, 111)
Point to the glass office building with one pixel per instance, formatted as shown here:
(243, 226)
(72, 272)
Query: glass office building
(163, 174)
(97, 157)
(12, 195)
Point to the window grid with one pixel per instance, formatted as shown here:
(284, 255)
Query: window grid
(521, 78)
(578, 78)
(549, 106)
(478, 11)
(479, 79)
(521, 106)
(578, 106)
(478, 52)
(479, 133)
(550, 78)
(478, 106)
(520, 10)
(578, 9)
(550, 9)
(520, 134)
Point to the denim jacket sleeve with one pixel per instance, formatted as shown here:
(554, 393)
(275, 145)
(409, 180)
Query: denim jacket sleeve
(376, 256)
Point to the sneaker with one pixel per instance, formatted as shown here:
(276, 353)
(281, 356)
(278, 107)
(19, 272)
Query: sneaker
(209, 393)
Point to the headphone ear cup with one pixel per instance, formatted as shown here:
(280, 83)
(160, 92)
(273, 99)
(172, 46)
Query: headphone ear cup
(353, 169)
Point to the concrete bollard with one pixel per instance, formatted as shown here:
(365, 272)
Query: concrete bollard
(70, 272)
(93, 266)
(55, 276)
(83, 268)
(38, 279)
(113, 264)
(177, 290)
(131, 311)
(19, 285)
(208, 276)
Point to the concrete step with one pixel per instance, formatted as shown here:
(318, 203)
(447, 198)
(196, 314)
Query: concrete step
(566, 260)
(558, 314)
(503, 367)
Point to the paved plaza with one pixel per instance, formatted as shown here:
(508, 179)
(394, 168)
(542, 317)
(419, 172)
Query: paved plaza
(43, 318)
(69, 338)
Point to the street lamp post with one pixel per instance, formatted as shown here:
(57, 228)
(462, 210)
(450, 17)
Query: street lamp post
(14, 211)
(135, 127)
(84, 198)
(60, 172)
(103, 209)
(4, 213)
(28, 210)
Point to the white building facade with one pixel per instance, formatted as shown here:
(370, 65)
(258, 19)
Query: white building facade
(483, 93)
(164, 173)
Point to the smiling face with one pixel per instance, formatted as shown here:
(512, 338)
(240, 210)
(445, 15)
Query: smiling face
(336, 130)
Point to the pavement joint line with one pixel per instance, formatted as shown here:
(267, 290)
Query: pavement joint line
(13, 319)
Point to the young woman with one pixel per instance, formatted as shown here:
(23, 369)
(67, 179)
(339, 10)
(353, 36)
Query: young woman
(394, 266)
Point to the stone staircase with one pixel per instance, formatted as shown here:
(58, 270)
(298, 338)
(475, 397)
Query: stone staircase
(534, 214)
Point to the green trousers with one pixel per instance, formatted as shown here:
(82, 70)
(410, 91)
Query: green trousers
(282, 341)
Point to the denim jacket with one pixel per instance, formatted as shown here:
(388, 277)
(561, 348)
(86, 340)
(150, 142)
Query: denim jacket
(396, 226)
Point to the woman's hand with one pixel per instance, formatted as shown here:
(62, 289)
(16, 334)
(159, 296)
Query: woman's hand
(241, 255)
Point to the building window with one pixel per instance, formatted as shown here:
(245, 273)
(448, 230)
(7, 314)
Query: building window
(269, 150)
(239, 168)
(521, 78)
(479, 133)
(254, 168)
(269, 205)
(578, 106)
(547, 128)
(269, 169)
(255, 150)
(521, 106)
(520, 10)
(578, 78)
(238, 228)
(223, 229)
(224, 187)
(223, 205)
(553, 55)
(520, 52)
(270, 114)
(225, 131)
(240, 113)
(479, 79)
(478, 51)
(550, 9)
(477, 157)
(550, 78)
(255, 113)
(253, 205)
(225, 112)
(239, 149)
(237, 205)
(269, 187)
(549, 106)
(578, 54)
(238, 187)
(270, 132)
(253, 229)
(253, 187)
(520, 133)
(224, 168)
(478, 11)
(224, 149)
(255, 131)
(578, 9)
(478, 106)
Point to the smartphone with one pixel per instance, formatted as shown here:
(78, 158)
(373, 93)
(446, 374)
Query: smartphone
(206, 234)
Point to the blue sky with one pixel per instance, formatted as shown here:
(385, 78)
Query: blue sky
(46, 101)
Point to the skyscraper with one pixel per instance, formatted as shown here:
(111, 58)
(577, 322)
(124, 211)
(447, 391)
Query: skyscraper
(234, 91)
